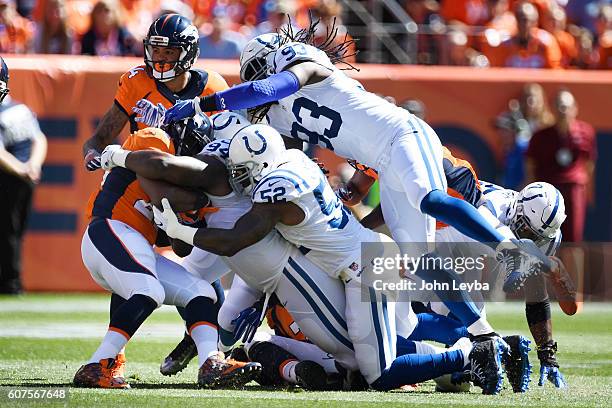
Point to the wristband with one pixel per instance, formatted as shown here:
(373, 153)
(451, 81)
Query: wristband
(120, 156)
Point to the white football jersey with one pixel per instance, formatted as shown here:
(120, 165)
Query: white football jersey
(337, 113)
(499, 200)
(329, 235)
(261, 264)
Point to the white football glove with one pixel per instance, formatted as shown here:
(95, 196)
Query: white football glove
(113, 156)
(148, 113)
(168, 219)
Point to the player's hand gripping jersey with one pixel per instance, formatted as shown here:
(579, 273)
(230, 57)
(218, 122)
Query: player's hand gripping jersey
(329, 230)
(353, 123)
(120, 196)
(136, 84)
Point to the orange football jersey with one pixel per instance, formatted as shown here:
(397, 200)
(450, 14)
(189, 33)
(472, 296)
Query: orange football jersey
(280, 320)
(136, 84)
(120, 196)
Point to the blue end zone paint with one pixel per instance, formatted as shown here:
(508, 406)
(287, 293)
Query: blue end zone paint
(57, 174)
(52, 221)
(482, 156)
(59, 128)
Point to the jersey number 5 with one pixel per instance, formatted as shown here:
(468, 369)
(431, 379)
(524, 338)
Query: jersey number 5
(273, 196)
(299, 131)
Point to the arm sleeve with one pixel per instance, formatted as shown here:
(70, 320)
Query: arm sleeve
(251, 94)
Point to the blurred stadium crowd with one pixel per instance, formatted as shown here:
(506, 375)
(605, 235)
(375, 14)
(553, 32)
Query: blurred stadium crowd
(480, 33)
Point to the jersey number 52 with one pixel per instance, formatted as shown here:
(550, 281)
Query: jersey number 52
(309, 115)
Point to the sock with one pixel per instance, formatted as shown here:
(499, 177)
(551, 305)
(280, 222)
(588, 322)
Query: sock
(115, 303)
(461, 215)
(205, 337)
(480, 326)
(219, 291)
(112, 343)
(287, 371)
(182, 312)
(416, 368)
(458, 302)
(435, 327)
(201, 317)
(131, 314)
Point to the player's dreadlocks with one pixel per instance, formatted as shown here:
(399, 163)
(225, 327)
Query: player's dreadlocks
(337, 53)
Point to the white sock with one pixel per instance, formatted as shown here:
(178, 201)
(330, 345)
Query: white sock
(287, 371)
(112, 344)
(205, 337)
(425, 348)
(480, 326)
(465, 345)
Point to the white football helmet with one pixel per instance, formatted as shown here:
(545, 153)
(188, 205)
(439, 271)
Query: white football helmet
(256, 59)
(538, 212)
(227, 123)
(252, 152)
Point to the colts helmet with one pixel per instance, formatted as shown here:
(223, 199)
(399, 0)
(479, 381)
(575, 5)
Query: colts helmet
(190, 135)
(4, 78)
(537, 213)
(252, 152)
(227, 123)
(256, 57)
(174, 31)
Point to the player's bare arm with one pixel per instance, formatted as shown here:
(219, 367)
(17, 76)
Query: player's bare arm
(108, 129)
(374, 219)
(180, 198)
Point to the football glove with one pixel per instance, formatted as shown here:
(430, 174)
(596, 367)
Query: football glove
(148, 113)
(113, 156)
(92, 160)
(549, 368)
(181, 110)
(249, 320)
(174, 229)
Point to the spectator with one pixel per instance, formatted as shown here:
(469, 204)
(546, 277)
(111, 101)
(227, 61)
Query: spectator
(106, 36)
(604, 46)
(138, 15)
(584, 12)
(588, 56)
(425, 13)
(277, 18)
(23, 148)
(516, 126)
(459, 53)
(176, 7)
(219, 42)
(468, 12)
(16, 32)
(531, 47)
(564, 155)
(52, 33)
(555, 22)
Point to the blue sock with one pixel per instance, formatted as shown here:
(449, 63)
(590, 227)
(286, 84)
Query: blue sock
(435, 327)
(458, 302)
(461, 215)
(404, 346)
(416, 368)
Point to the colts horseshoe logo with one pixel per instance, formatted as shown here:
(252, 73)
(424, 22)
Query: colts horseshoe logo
(248, 147)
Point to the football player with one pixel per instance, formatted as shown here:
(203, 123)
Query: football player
(118, 251)
(171, 48)
(317, 103)
(291, 194)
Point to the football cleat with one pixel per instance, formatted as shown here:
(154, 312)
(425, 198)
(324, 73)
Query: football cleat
(180, 357)
(311, 376)
(220, 372)
(119, 368)
(521, 260)
(516, 363)
(100, 375)
(486, 365)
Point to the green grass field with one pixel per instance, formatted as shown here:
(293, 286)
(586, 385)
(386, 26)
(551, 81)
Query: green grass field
(45, 338)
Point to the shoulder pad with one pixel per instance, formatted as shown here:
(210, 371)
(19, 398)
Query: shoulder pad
(281, 186)
(218, 148)
(296, 51)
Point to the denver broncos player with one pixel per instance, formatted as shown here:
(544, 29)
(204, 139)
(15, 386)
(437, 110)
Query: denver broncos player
(171, 49)
(117, 250)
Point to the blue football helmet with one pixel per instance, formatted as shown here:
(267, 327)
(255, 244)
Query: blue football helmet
(4, 78)
(190, 135)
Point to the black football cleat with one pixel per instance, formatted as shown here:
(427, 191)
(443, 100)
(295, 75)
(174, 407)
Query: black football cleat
(486, 365)
(518, 368)
(180, 357)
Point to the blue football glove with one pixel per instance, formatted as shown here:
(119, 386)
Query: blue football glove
(181, 110)
(552, 374)
(148, 113)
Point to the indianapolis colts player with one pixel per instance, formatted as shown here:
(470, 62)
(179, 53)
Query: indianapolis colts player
(317, 103)
(291, 194)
